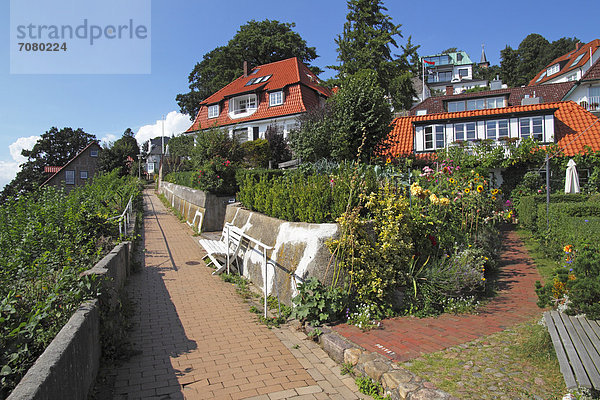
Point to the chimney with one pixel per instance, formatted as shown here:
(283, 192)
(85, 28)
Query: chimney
(577, 46)
(245, 69)
(449, 90)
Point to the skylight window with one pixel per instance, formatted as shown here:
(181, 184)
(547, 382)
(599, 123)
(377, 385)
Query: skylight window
(260, 79)
(542, 76)
(576, 61)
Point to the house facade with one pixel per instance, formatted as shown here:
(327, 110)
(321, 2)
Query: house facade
(78, 171)
(155, 153)
(586, 91)
(270, 94)
(569, 67)
(564, 123)
(453, 69)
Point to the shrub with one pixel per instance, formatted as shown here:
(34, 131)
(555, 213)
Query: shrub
(317, 304)
(257, 153)
(527, 209)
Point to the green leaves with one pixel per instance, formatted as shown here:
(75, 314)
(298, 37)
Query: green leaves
(317, 304)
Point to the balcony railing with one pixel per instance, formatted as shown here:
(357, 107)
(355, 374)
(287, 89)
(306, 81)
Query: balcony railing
(592, 104)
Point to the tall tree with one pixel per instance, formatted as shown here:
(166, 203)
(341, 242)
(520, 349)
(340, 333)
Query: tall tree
(257, 42)
(532, 57)
(366, 43)
(120, 154)
(509, 62)
(54, 148)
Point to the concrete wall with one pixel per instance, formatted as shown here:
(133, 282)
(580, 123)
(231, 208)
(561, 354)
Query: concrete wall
(67, 369)
(112, 272)
(202, 210)
(299, 251)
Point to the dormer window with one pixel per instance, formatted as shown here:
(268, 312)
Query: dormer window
(276, 98)
(213, 111)
(242, 106)
(553, 69)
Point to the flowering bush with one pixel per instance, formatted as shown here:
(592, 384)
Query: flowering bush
(365, 317)
(217, 176)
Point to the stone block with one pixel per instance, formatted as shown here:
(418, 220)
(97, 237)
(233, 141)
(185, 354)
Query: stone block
(374, 369)
(351, 356)
(335, 346)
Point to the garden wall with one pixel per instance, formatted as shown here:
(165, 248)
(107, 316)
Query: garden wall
(299, 250)
(67, 368)
(202, 210)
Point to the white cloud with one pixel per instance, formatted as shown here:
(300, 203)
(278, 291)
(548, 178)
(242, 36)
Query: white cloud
(175, 123)
(9, 169)
(109, 138)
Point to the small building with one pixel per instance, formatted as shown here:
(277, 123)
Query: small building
(450, 73)
(155, 153)
(78, 171)
(586, 91)
(269, 94)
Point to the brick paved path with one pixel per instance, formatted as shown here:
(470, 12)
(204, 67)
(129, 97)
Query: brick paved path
(196, 338)
(408, 337)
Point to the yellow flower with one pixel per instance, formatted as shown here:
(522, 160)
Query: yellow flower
(493, 197)
(480, 188)
(416, 190)
(434, 199)
(452, 180)
(467, 191)
(445, 201)
(494, 191)
(568, 248)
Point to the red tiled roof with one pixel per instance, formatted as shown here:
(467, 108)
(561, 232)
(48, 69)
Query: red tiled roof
(301, 91)
(548, 93)
(565, 61)
(569, 122)
(593, 73)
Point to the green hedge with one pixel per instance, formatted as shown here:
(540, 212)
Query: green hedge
(527, 210)
(570, 223)
(185, 178)
(297, 196)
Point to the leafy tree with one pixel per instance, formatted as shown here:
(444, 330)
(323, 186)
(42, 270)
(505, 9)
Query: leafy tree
(280, 151)
(508, 66)
(366, 43)
(489, 73)
(120, 154)
(359, 108)
(54, 148)
(312, 140)
(533, 52)
(257, 42)
(215, 142)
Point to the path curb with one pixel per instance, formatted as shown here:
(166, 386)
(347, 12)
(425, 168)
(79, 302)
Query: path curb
(397, 382)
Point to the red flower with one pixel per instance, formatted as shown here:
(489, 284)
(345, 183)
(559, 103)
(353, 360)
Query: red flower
(432, 240)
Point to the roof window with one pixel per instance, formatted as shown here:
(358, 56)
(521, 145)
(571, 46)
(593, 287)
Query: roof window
(260, 79)
(576, 61)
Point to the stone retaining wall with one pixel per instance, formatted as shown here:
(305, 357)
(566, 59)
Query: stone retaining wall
(67, 368)
(397, 382)
(299, 251)
(202, 210)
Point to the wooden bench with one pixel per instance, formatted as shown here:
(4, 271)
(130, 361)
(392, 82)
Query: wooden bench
(221, 253)
(577, 344)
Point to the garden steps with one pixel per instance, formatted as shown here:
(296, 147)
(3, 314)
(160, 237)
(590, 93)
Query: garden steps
(407, 338)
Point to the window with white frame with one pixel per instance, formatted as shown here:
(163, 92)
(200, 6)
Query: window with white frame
(496, 129)
(465, 131)
(462, 72)
(70, 177)
(532, 127)
(475, 104)
(241, 135)
(83, 174)
(434, 137)
(553, 69)
(242, 105)
(276, 98)
(213, 111)
(456, 106)
(94, 153)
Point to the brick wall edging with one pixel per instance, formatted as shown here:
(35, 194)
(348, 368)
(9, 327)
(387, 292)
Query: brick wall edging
(397, 382)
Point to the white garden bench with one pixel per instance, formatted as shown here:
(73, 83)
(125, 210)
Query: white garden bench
(220, 253)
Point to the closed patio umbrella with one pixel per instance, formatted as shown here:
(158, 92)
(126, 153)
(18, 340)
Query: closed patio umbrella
(572, 178)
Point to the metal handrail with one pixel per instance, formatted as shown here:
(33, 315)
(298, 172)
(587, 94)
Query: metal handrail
(125, 217)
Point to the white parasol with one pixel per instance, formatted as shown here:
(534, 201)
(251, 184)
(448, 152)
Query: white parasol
(572, 178)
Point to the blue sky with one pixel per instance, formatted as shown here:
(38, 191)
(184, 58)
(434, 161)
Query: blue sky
(183, 31)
